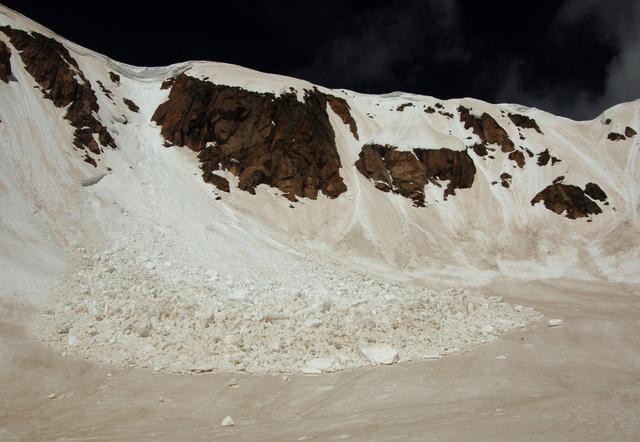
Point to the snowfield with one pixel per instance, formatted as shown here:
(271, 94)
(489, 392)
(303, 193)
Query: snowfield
(138, 262)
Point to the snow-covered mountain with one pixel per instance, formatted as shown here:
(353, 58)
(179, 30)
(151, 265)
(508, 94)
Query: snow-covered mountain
(202, 165)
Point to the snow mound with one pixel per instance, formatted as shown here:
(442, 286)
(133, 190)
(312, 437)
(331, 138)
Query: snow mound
(117, 306)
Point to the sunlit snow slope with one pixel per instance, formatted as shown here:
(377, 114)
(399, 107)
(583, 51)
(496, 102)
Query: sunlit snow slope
(49, 204)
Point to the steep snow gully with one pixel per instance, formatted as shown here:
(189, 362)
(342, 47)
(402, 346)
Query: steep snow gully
(204, 216)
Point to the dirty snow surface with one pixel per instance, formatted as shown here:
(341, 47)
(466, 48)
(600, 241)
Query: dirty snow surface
(124, 308)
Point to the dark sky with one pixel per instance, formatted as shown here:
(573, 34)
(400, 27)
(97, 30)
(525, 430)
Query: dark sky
(570, 57)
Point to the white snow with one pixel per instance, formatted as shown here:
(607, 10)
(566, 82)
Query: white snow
(143, 266)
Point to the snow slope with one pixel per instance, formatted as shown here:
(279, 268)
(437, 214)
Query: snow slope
(152, 207)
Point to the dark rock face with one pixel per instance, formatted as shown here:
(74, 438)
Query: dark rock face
(114, 77)
(487, 128)
(5, 62)
(342, 109)
(131, 105)
(517, 157)
(613, 136)
(105, 91)
(53, 68)
(561, 198)
(629, 132)
(403, 106)
(220, 182)
(595, 192)
(545, 156)
(505, 180)
(261, 138)
(406, 173)
(524, 122)
(429, 110)
(480, 149)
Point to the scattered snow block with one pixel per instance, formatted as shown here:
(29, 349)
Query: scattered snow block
(312, 323)
(227, 422)
(319, 365)
(555, 323)
(432, 356)
(72, 341)
(93, 180)
(380, 354)
(238, 294)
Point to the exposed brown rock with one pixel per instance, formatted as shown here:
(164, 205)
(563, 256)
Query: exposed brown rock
(524, 122)
(131, 105)
(613, 136)
(105, 91)
(558, 179)
(545, 156)
(403, 106)
(429, 110)
(446, 114)
(568, 199)
(342, 109)
(220, 182)
(5, 62)
(445, 164)
(629, 132)
(259, 137)
(114, 77)
(487, 128)
(480, 149)
(517, 157)
(371, 164)
(62, 82)
(595, 192)
(166, 84)
(406, 173)
(505, 180)
(607, 121)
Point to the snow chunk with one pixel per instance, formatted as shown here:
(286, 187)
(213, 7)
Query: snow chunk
(380, 354)
(227, 422)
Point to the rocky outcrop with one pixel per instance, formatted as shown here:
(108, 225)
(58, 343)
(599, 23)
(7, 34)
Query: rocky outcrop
(62, 82)
(614, 136)
(568, 200)
(486, 128)
(342, 109)
(131, 105)
(105, 91)
(524, 122)
(595, 192)
(403, 106)
(544, 157)
(517, 157)
(115, 78)
(408, 172)
(5, 62)
(259, 137)
(505, 180)
(629, 132)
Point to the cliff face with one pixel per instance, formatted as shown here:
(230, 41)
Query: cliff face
(5, 62)
(407, 173)
(61, 80)
(569, 200)
(260, 138)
